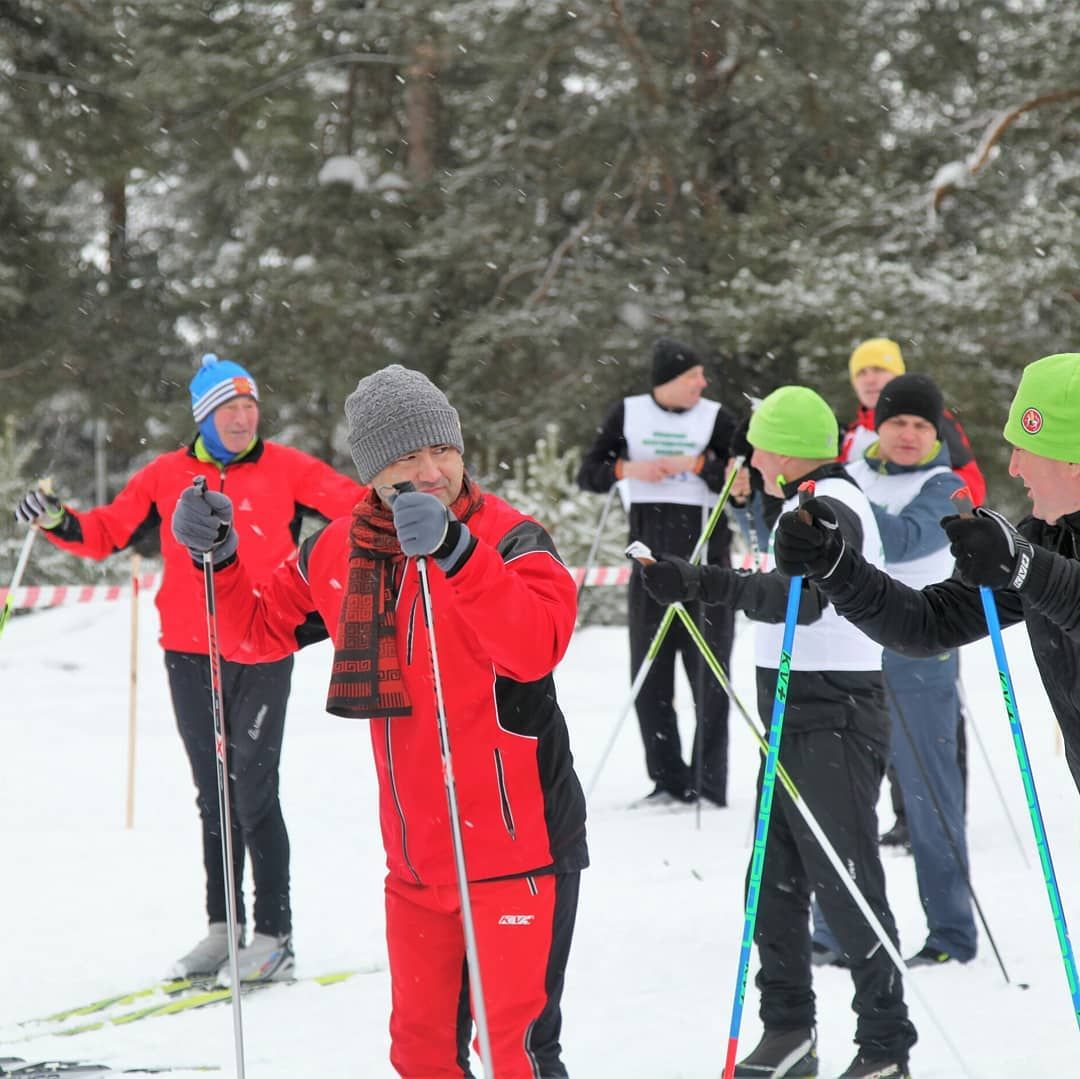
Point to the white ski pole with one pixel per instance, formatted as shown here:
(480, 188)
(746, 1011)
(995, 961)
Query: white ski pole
(472, 954)
(16, 578)
(224, 807)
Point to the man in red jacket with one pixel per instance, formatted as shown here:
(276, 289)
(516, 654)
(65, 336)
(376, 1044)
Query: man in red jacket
(504, 606)
(273, 486)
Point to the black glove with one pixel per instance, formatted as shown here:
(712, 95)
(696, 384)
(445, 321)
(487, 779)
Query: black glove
(40, 507)
(672, 580)
(988, 550)
(808, 550)
(202, 521)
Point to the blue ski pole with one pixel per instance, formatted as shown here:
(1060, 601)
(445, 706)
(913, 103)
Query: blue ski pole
(1042, 844)
(768, 785)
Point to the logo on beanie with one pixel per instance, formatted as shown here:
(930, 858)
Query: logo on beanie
(243, 387)
(1032, 421)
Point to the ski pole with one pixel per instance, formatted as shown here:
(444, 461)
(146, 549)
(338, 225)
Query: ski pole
(44, 484)
(661, 631)
(765, 800)
(963, 502)
(590, 560)
(472, 953)
(16, 578)
(224, 806)
(1042, 844)
(823, 841)
(133, 693)
(954, 846)
(698, 752)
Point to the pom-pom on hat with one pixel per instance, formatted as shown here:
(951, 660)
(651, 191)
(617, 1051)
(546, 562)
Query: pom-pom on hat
(216, 382)
(1044, 416)
(877, 352)
(794, 421)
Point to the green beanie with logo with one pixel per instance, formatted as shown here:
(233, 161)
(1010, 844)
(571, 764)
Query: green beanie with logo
(1044, 417)
(794, 421)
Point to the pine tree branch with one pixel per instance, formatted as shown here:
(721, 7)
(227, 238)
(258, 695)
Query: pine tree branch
(956, 173)
(573, 237)
(632, 43)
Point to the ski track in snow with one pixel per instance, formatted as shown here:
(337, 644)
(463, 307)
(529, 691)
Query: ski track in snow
(91, 909)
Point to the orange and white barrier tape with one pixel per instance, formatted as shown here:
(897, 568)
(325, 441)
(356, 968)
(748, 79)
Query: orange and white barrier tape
(63, 595)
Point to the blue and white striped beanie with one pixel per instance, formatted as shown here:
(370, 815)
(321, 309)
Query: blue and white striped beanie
(216, 382)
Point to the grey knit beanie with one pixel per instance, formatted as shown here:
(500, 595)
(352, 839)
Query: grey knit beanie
(396, 411)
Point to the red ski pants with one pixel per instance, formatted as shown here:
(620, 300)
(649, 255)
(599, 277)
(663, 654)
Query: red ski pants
(523, 930)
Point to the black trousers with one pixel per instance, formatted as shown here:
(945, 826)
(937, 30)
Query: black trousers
(838, 772)
(655, 703)
(254, 698)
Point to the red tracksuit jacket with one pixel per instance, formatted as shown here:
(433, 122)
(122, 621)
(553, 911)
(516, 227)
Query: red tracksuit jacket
(271, 487)
(503, 621)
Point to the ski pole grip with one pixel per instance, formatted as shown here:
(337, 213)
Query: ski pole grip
(806, 492)
(639, 552)
(963, 502)
(200, 484)
(404, 487)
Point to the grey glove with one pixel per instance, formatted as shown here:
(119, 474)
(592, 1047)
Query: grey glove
(39, 507)
(425, 526)
(202, 521)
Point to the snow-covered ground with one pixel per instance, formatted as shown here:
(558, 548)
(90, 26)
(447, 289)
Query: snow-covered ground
(90, 908)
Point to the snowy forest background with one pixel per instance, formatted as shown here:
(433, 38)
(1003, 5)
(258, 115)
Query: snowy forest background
(517, 197)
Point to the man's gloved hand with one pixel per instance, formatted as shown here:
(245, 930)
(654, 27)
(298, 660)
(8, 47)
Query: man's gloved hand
(202, 521)
(40, 507)
(672, 580)
(988, 550)
(808, 550)
(425, 526)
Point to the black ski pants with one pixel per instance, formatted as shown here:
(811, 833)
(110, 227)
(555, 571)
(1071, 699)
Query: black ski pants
(656, 701)
(254, 698)
(838, 772)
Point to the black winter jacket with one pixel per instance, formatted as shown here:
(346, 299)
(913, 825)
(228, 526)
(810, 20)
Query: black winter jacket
(949, 614)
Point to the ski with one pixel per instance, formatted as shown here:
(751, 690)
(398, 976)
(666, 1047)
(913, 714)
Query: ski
(18, 1068)
(168, 998)
(170, 988)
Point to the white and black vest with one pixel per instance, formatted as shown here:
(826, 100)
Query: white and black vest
(893, 493)
(831, 643)
(651, 431)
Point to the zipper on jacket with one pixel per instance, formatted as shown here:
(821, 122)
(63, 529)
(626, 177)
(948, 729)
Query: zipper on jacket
(397, 804)
(409, 638)
(504, 798)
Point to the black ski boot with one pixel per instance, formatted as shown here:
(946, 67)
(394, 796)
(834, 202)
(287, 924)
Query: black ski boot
(864, 1068)
(781, 1054)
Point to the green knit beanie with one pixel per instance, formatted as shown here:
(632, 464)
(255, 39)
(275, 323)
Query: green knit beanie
(794, 422)
(1044, 417)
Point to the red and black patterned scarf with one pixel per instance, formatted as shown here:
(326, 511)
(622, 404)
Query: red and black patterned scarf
(366, 678)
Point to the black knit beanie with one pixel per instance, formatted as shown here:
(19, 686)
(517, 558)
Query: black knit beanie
(670, 359)
(910, 395)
